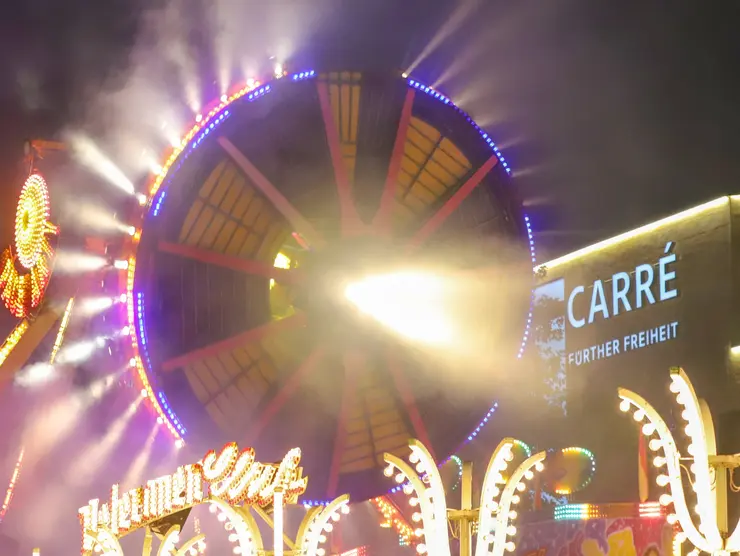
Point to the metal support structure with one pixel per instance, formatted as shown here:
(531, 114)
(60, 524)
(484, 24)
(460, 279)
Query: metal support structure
(466, 516)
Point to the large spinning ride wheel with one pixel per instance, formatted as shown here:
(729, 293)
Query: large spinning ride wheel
(275, 196)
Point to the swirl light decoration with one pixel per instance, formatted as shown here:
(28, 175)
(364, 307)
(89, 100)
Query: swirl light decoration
(496, 507)
(317, 522)
(705, 537)
(26, 266)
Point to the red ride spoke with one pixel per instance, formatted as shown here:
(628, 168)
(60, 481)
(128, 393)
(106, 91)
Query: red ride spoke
(407, 397)
(354, 363)
(242, 339)
(350, 219)
(452, 203)
(382, 220)
(286, 391)
(278, 200)
(256, 268)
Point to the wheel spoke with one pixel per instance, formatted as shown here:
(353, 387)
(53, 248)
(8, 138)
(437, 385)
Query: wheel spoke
(285, 392)
(256, 268)
(279, 201)
(438, 218)
(382, 220)
(243, 338)
(350, 219)
(407, 397)
(353, 366)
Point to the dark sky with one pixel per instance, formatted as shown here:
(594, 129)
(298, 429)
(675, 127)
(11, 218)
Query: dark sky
(614, 113)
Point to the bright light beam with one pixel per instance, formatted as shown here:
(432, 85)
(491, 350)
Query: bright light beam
(136, 469)
(94, 458)
(87, 153)
(410, 303)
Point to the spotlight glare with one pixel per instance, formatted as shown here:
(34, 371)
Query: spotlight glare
(279, 70)
(410, 303)
(126, 330)
(198, 118)
(122, 298)
(131, 230)
(121, 264)
(156, 169)
(224, 98)
(142, 198)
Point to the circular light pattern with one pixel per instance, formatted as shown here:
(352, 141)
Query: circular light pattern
(31, 220)
(25, 270)
(570, 470)
(152, 203)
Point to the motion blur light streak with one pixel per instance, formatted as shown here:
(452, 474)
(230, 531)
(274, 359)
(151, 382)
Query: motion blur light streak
(97, 454)
(71, 262)
(93, 305)
(80, 351)
(61, 331)
(35, 374)
(136, 469)
(451, 24)
(410, 303)
(87, 153)
(11, 485)
(51, 425)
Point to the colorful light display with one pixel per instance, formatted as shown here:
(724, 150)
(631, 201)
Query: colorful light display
(393, 518)
(560, 486)
(62, 329)
(202, 127)
(229, 478)
(12, 340)
(23, 289)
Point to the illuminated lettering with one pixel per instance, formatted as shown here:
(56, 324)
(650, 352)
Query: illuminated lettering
(620, 293)
(643, 282)
(575, 323)
(665, 275)
(622, 285)
(598, 302)
(629, 342)
(229, 475)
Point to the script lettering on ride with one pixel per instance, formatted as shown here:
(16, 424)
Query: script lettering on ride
(231, 475)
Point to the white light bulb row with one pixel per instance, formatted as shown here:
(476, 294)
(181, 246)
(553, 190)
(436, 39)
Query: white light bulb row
(697, 449)
(489, 505)
(671, 476)
(422, 482)
(509, 498)
(320, 524)
(241, 535)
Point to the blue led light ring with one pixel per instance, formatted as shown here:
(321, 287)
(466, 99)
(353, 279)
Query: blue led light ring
(530, 237)
(154, 209)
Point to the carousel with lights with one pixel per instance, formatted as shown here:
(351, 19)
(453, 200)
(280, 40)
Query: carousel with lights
(250, 279)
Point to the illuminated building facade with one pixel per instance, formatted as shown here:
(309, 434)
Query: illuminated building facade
(620, 313)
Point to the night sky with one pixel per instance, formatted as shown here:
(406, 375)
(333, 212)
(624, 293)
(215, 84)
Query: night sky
(614, 113)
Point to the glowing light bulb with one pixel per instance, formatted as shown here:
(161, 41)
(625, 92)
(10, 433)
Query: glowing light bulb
(624, 405)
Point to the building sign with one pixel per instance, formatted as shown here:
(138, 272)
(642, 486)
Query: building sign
(628, 291)
(568, 312)
(231, 475)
